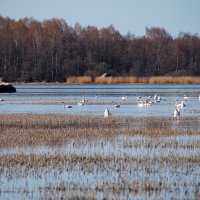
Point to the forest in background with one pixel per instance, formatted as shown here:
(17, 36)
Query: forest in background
(53, 51)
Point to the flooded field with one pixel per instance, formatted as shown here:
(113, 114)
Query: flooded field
(76, 157)
(48, 151)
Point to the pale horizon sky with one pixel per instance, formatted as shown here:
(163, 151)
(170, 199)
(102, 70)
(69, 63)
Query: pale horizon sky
(132, 16)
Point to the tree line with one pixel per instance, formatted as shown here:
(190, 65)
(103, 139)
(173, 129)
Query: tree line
(53, 51)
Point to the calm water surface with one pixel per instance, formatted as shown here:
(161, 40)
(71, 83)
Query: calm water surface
(48, 99)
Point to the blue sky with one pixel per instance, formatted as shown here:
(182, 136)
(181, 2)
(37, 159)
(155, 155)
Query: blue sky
(125, 15)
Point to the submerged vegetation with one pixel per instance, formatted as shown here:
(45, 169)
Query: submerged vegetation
(64, 156)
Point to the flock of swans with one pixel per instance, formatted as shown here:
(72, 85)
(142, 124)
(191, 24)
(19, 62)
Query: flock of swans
(149, 101)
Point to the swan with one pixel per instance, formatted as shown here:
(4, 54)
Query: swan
(138, 96)
(106, 113)
(115, 105)
(82, 102)
(176, 112)
(124, 98)
(157, 98)
(67, 106)
(180, 105)
(185, 98)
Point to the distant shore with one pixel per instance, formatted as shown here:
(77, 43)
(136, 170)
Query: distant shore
(122, 80)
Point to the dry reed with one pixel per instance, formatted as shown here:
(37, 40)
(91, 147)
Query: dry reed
(174, 80)
(148, 80)
(79, 80)
(32, 129)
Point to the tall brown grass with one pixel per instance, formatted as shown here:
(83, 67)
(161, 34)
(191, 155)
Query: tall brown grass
(115, 80)
(174, 80)
(79, 80)
(134, 80)
(148, 80)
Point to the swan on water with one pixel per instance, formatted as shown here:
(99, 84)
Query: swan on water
(67, 106)
(181, 105)
(82, 102)
(185, 98)
(176, 112)
(124, 98)
(114, 105)
(107, 113)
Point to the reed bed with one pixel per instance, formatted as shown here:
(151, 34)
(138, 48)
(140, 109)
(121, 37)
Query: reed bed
(121, 80)
(134, 80)
(76, 157)
(79, 80)
(57, 129)
(174, 80)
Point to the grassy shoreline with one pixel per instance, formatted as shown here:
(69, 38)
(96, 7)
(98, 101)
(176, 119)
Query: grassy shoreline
(122, 80)
(134, 80)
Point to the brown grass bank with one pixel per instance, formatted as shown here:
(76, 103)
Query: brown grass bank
(134, 80)
(79, 80)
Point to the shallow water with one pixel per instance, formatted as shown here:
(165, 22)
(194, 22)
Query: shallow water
(143, 165)
(49, 98)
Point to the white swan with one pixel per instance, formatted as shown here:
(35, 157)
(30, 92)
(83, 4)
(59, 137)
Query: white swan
(106, 113)
(180, 105)
(157, 98)
(138, 96)
(82, 102)
(185, 98)
(67, 106)
(176, 112)
(124, 98)
(114, 105)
